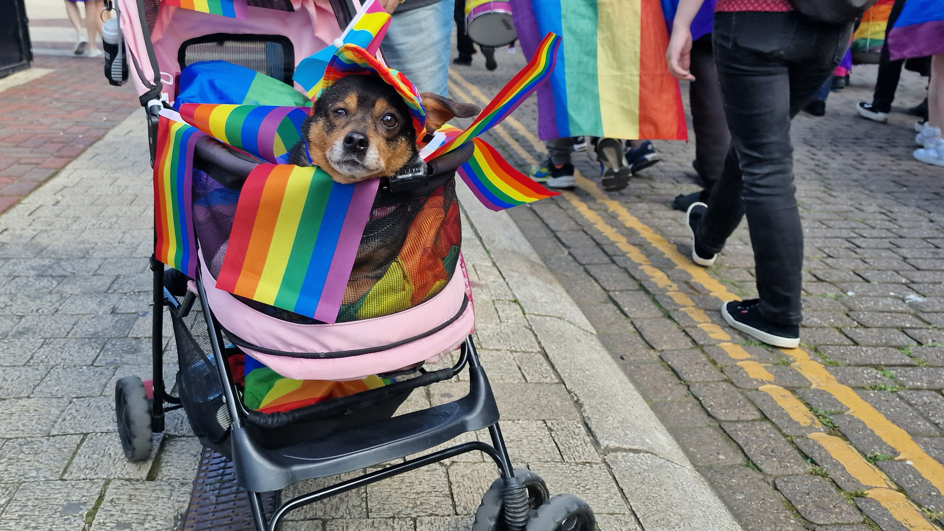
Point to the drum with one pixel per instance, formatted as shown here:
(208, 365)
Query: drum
(488, 22)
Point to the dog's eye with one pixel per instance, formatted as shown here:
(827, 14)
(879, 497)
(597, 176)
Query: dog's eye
(340, 112)
(389, 120)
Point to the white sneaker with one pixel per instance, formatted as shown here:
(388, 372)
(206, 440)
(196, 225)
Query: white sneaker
(95, 53)
(927, 135)
(81, 45)
(931, 154)
(866, 111)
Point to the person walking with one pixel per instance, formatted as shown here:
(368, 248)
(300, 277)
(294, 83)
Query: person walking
(88, 31)
(770, 62)
(417, 41)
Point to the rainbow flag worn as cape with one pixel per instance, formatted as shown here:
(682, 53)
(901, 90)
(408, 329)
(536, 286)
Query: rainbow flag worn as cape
(267, 391)
(176, 243)
(918, 31)
(266, 132)
(294, 239)
(225, 8)
(366, 30)
(870, 35)
(611, 78)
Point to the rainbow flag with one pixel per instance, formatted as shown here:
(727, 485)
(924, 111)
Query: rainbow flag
(267, 391)
(266, 132)
(496, 183)
(511, 95)
(917, 31)
(176, 244)
(611, 78)
(294, 239)
(870, 35)
(366, 30)
(224, 82)
(224, 8)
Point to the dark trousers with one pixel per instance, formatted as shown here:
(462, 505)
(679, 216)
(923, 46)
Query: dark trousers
(463, 41)
(712, 138)
(769, 65)
(889, 72)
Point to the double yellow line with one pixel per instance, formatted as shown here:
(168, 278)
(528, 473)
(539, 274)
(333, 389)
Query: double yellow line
(880, 487)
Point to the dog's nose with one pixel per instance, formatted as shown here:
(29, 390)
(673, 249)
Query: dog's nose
(355, 141)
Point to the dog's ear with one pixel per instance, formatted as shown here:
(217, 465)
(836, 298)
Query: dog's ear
(440, 110)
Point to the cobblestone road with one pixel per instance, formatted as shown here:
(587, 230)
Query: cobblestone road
(844, 433)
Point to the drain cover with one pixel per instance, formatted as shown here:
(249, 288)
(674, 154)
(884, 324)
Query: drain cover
(217, 503)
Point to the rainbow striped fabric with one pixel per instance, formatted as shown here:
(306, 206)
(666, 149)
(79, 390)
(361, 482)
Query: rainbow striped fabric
(496, 183)
(225, 8)
(176, 245)
(918, 31)
(611, 78)
(366, 30)
(294, 239)
(266, 132)
(267, 391)
(870, 35)
(511, 95)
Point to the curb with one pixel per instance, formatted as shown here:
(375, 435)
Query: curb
(662, 486)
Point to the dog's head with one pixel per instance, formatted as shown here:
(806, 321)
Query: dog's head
(360, 127)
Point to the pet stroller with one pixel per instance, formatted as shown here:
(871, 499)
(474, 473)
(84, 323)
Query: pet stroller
(381, 337)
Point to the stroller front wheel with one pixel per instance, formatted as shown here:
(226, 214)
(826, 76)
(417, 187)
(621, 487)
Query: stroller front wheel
(564, 512)
(134, 418)
(490, 516)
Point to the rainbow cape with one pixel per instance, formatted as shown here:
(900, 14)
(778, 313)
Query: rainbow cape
(294, 239)
(611, 78)
(176, 244)
(266, 132)
(366, 30)
(870, 35)
(918, 31)
(267, 391)
(225, 8)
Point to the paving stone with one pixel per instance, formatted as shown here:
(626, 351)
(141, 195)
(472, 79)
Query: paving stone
(706, 446)
(573, 442)
(36, 459)
(853, 527)
(662, 334)
(627, 346)
(934, 446)
(931, 338)
(823, 336)
(506, 337)
(122, 507)
(636, 304)
(74, 381)
(758, 354)
(75, 352)
(618, 522)
(655, 382)
(921, 377)
(837, 472)
(886, 320)
(351, 504)
(355, 524)
(44, 326)
(51, 505)
(928, 403)
(16, 352)
(817, 500)
(866, 355)
(766, 447)
(125, 351)
(103, 326)
(421, 492)
(581, 288)
(879, 514)
(469, 481)
(612, 277)
(826, 319)
(684, 413)
(821, 400)
(876, 304)
(87, 415)
(179, 459)
(534, 367)
(529, 441)
(589, 481)
(605, 318)
(724, 402)
(692, 366)
(916, 487)
(773, 411)
(859, 376)
(863, 438)
(30, 417)
(443, 523)
(878, 337)
(754, 503)
(892, 407)
(18, 382)
(783, 376)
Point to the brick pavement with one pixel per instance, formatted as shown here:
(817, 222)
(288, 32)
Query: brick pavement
(823, 437)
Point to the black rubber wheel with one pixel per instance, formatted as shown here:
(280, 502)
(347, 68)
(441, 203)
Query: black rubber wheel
(564, 512)
(134, 418)
(490, 515)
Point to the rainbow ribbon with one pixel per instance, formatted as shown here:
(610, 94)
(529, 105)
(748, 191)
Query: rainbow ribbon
(176, 244)
(496, 183)
(511, 95)
(266, 132)
(294, 239)
(224, 8)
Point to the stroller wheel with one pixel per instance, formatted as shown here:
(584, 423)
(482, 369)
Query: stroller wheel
(134, 418)
(490, 514)
(564, 512)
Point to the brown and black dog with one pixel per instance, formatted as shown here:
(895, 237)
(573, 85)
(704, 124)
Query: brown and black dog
(360, 128)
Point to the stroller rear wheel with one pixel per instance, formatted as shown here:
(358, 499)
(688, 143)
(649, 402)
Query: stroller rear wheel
(134, 418)
(490, 516)
(564, 512)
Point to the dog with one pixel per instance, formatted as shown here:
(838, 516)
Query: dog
(360, 128)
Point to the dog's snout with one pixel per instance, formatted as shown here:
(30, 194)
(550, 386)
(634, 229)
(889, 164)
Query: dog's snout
(355, 141)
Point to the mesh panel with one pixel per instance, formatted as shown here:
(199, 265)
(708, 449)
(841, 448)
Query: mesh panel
(270, 55)
(408, 252)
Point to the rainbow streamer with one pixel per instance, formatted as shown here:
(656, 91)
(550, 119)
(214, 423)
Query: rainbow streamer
(511, 95)
(224, 8)
(267, 391)
(176, 244)
(611, 78)
(264, 131)
(366, 30)
(870, 35)
(294, 239)
(495, 183)
(918, 30)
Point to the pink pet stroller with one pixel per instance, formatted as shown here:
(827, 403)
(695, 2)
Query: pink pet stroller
(381, 337)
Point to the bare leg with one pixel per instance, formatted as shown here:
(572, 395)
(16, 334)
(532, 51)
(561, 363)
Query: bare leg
(936, 92)
(93, 22)
(72, 11)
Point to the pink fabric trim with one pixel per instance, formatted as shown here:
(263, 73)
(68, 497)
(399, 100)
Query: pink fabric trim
(266, 331)
(489, 7)
(754, 5)
(134, 36)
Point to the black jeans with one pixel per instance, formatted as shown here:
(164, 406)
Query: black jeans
(769, 65)
(712, 138)
(889, 72)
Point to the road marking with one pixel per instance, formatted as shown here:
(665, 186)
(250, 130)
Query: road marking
(850, 459)
(797, 411)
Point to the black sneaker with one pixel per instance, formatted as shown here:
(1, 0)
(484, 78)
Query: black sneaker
(489, 54)
(615, 172)
(867, 110)
(745, 316)
(642, 157)
(552, 176)
(692, 219)
(464, 59)
(816, 107)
